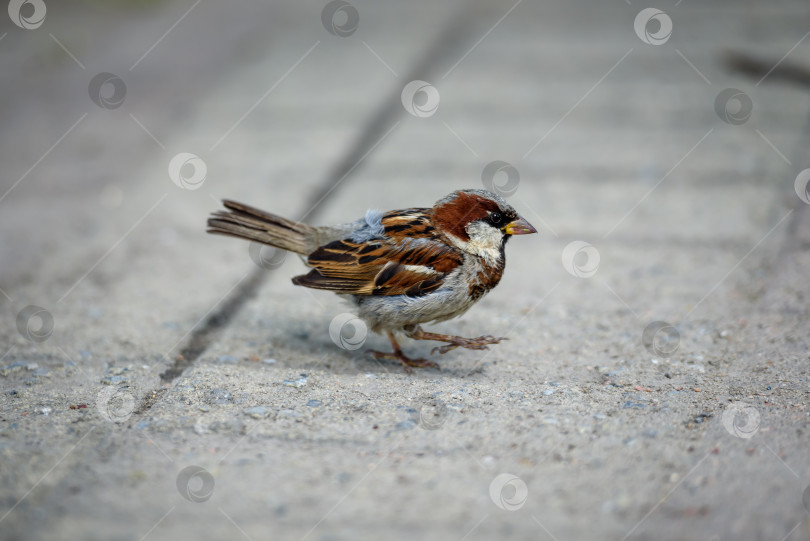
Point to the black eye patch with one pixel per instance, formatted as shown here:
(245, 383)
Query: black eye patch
(496, 219)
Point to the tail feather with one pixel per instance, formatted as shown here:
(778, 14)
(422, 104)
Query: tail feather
(246, 222)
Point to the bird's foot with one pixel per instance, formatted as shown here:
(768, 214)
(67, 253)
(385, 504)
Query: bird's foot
(453, 342)
(480, 342)
(406, 361)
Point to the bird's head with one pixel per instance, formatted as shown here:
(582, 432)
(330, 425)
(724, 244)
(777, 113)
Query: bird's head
(478, 222)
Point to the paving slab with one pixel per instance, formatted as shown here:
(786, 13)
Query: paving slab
(590, 422)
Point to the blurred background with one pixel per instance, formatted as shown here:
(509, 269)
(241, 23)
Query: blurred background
(660, 150)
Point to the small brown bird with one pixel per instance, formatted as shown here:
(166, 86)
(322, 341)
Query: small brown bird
(400, 268)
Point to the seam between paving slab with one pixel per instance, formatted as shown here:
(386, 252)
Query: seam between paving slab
(795, 75)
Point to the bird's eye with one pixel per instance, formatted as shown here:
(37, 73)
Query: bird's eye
(496, 218)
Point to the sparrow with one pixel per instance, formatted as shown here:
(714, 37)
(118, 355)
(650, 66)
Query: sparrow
(402, 268)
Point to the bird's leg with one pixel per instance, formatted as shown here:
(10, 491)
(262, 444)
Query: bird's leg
(397, 354)
(453, 342)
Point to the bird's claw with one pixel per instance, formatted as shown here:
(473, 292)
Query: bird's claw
(481, 342)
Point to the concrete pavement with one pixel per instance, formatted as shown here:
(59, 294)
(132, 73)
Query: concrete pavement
(181, 390)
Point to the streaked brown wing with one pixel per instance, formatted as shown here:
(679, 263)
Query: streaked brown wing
(411, 260)
(408, 223)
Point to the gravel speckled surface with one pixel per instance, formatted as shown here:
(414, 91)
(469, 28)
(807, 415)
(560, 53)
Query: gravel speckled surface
(156, 384)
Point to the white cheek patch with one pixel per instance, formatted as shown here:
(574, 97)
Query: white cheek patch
(457, 242)
(485, 241)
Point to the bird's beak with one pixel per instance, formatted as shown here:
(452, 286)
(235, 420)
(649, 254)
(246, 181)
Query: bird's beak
(519, 227)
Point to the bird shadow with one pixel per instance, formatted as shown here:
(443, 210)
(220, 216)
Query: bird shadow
(309, 348)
